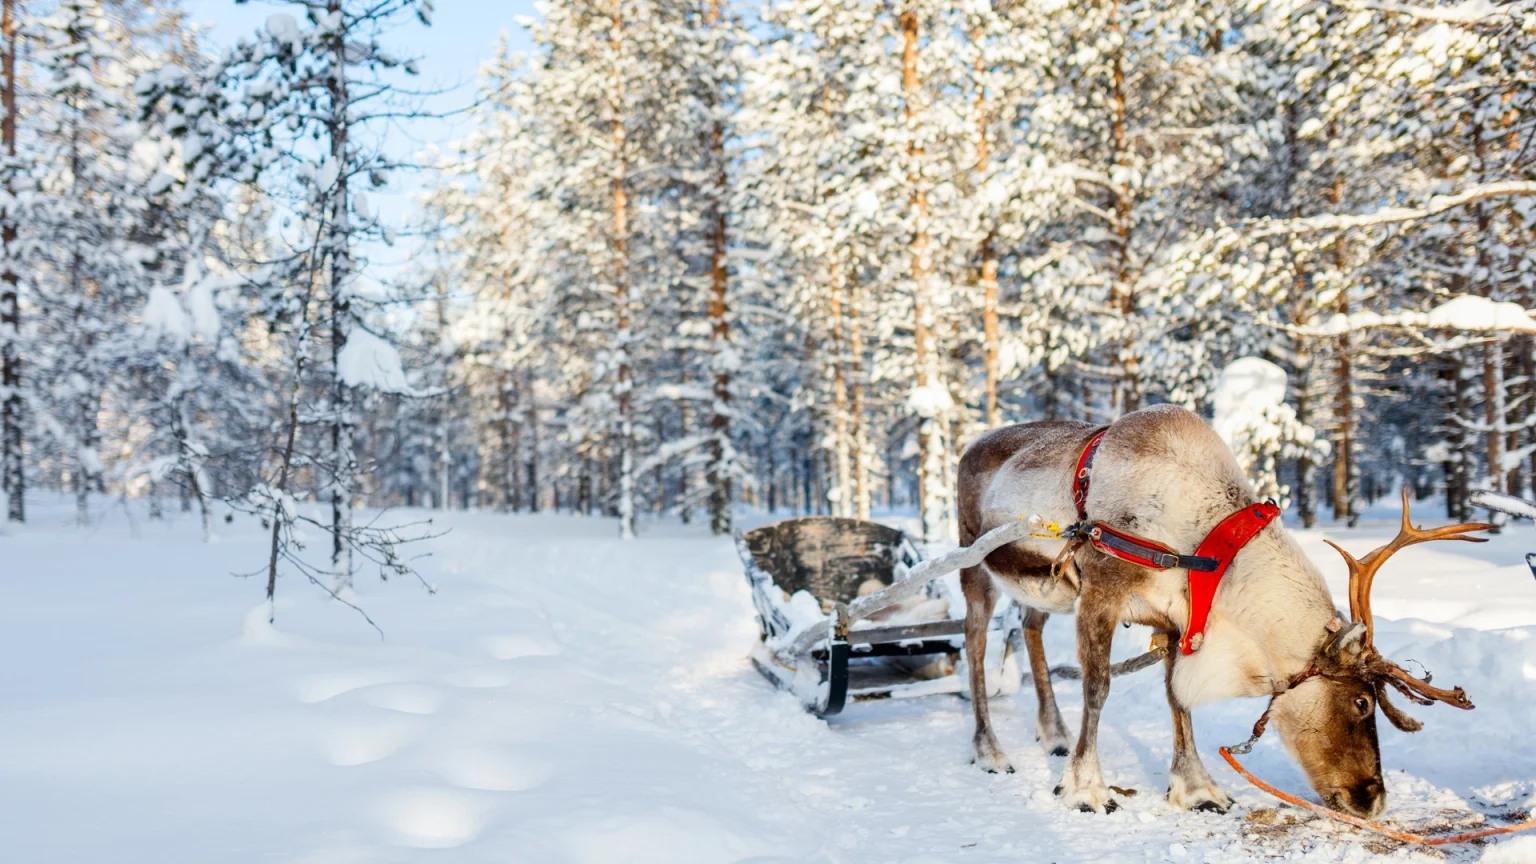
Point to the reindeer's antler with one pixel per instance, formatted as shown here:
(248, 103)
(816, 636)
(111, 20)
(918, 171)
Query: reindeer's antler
(1362, 574)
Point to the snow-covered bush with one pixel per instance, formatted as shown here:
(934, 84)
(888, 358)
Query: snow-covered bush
(1255, 421)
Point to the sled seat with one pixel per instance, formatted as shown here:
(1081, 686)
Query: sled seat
(827, 556)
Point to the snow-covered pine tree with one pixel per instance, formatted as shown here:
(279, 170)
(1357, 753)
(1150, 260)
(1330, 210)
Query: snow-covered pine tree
(490, 235)
(1141, 116)
(86, 266)
(614, 241)
(298, 106)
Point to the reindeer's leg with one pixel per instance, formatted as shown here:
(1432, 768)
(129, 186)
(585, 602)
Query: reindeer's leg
(1083, 783)
(1049, 730)
(1190, 786)
(980, 597)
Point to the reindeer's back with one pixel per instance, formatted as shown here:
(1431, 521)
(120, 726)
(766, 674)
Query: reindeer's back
(1165, 473)
(1161, 471)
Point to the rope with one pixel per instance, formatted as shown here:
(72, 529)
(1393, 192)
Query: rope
(1366, 823)
(1124, 667)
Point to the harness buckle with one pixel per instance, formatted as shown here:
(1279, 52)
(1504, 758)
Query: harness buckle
(1167, 560)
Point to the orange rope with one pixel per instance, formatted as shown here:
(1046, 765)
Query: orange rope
(1365, 823)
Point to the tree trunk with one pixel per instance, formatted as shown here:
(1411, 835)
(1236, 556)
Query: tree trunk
(842, 457)
(722, 356)
(1493, 413)
(1306, 469)
(988, 274)
(1127, 393)
(861, 454)
(1346, 490)
(343, 461)
(623, 386)
(928, 389)
(684, 471)
(506, 469)
(531, 422)
(1461, 445)
(1516, 360)
(13, 475)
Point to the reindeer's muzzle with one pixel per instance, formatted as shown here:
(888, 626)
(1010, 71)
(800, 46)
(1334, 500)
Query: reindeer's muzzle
(1366, 799)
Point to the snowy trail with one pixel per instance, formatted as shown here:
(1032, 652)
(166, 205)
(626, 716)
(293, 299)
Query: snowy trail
(570, 698)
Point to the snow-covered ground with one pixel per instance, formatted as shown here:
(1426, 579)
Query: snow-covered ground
(568, 697)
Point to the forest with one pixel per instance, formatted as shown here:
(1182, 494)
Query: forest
(698, 256)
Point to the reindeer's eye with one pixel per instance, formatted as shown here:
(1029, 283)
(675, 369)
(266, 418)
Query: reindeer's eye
(1363, 705)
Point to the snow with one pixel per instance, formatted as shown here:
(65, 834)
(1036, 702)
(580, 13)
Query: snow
(1464, 312)
(368, 361)
(1470, 312)
(567, 697)
(930, 401)
(164, 316)
(283, 28)
(1467, 12)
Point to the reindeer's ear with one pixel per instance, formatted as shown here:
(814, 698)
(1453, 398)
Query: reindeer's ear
(1346, 642)
(1395, 714)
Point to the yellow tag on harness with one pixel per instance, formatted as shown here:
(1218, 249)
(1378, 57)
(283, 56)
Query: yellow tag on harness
(1048, 530)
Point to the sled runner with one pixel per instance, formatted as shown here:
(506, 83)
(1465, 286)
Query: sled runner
(849, 609)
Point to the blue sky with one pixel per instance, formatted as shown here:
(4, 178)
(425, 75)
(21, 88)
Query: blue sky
(463, 34)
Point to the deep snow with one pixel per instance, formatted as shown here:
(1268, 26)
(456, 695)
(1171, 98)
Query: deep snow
(569, 697)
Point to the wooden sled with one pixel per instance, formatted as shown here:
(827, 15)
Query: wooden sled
(830, 645)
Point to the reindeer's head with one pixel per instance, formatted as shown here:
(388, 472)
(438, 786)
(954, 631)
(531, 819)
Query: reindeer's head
(1327, 718)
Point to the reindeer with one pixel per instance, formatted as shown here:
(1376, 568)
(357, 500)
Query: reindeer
(1272, 630)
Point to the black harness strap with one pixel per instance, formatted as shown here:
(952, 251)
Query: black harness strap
(1147, 553)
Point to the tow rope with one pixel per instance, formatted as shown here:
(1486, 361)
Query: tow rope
(1406, 837)
(1367, 824)
(1206, 566)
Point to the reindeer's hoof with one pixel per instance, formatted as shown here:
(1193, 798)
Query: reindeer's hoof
(1056, 741)
(989, 756)
(1058, 790)
(1088, 794)
(1201, 795)
(1110, 806)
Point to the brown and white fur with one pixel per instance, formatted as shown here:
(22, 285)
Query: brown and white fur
(1163, 474)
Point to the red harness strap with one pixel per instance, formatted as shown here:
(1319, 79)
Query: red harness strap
(1223, 543)
(1085, 468)
(1206, 566)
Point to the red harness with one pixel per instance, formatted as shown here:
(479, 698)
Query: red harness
(1206, 566)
